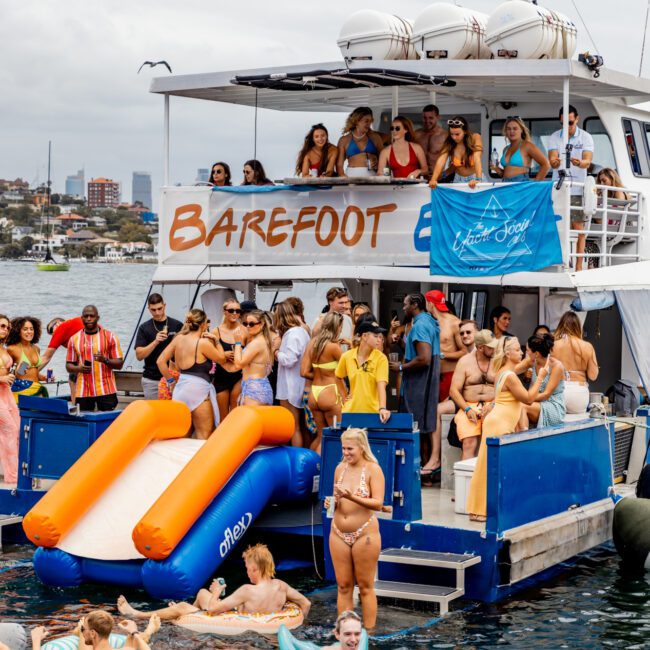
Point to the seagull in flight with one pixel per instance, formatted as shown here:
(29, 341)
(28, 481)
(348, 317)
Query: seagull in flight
(153, 64)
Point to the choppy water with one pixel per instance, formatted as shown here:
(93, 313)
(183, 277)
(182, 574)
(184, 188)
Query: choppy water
(590, 605)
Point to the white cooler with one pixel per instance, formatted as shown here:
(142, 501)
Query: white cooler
(463, 471)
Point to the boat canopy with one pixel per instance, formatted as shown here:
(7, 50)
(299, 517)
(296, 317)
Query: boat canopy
(338, 87)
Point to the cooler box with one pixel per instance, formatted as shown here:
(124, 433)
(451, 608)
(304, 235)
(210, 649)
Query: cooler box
(463, 472)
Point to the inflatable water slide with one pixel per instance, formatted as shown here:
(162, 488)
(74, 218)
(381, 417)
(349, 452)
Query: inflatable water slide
(147, 507)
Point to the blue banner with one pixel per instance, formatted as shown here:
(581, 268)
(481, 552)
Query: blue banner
(505, 229)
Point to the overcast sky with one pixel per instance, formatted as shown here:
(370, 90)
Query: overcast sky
(68, 73)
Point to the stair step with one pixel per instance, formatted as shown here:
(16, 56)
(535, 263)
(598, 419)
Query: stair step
(428, 558)
(411, 591)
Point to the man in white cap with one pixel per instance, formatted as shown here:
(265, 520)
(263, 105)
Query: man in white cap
(472, 386)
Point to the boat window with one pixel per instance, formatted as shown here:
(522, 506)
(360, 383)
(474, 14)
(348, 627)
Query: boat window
(636, 148)
(603, 150)
(478, 307)
(457, 299)
(541, 130)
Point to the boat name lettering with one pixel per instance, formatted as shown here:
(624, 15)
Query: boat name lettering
(230, 537)
(189, 230)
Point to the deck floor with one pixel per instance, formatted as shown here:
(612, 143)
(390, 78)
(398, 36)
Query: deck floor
(438, 510)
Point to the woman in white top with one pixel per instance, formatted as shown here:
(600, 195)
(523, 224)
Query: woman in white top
(290, 384)
(579, 360)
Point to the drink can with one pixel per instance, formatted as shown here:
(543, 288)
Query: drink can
(331, 506)
(313, 173)
(50, 375)
(387, 172)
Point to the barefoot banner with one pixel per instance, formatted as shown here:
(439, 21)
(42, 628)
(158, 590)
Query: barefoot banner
(504, 229)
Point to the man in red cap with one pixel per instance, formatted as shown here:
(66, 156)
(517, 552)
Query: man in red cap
(451, 345)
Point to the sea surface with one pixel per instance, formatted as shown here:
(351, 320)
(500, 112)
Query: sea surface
(591, 603)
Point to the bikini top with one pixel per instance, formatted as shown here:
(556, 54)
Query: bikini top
(362, 491)
(330, 365)
(23, 357)
(353, 148)
(403, 171)
(516, 159)
(459, 162)
(197, 369)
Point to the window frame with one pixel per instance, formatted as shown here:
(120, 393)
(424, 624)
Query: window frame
(636, 128)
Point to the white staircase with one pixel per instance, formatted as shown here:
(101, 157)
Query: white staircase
(431, 593)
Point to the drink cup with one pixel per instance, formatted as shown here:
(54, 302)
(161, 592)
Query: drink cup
(331, 506)
(50, 375)
(313, 173)
(393, 356)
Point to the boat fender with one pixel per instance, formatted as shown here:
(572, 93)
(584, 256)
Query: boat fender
(590, 196)
(71, 642)
(14, 636)
(286, 641)
(631, 531)
(233, 623)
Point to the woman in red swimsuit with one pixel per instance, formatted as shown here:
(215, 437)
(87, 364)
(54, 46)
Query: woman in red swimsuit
(404, 157)
(354, 541)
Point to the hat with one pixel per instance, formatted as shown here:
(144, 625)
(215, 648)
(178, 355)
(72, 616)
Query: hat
(369, 326)
(485, 337)
(247, 305)
(438, 299)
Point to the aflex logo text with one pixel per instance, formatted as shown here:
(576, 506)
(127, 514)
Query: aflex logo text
(230, 537)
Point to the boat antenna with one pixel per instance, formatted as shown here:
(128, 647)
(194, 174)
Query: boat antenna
(645, 31)
(582, 20)
(48, 193)
(255, 129)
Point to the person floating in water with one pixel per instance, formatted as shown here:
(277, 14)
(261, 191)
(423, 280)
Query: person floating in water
(265, 595)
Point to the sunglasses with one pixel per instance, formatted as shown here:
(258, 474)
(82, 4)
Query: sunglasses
(233, 311)
(571, 122)
(248, 171)
(5, 326)
(219, 171)
(455, 123)
(395, 128)
(513, 117)
(252, 323)
(465, 333)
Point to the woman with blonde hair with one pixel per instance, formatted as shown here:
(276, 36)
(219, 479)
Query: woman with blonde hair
(519, 153)
(608, 176)
(227, 378)
(256, 361)
(462, 150)
(502, 415)
(579, 360)
(319, 364)
(318, 155)
(404, 156)
(290, 383)
(354, 540)
(193, 350)
(360, 145)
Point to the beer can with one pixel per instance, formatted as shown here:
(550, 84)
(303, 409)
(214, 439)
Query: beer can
(331, 506)
(387, 172)
(50, 375)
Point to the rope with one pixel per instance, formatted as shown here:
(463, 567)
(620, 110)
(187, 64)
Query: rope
(645, 31)
(584, 25)
(313, 543)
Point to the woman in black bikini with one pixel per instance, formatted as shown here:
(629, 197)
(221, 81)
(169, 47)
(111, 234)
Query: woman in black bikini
(227, 379)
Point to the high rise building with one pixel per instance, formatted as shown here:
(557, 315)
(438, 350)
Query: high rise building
(202, 175)
(141, 188)
(103, 193)
(75, 184)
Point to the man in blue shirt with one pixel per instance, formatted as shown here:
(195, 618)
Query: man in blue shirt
(421, 373)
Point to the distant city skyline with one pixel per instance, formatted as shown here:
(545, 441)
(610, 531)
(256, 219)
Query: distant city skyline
(141, 188)
(72, 78)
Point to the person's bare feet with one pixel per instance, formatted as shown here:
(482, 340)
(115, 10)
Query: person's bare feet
(124, 608)
(153, 626)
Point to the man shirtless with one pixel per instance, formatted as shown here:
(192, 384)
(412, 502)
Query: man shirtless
(265, 595)
(471, 387)
(431, 136)
(451, 345)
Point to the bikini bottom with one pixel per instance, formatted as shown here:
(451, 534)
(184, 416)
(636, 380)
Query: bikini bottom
(351, 538)
(256, 389)
(317, 390)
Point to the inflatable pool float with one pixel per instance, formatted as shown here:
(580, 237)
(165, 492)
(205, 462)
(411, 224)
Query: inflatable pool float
(71, 642)
(286, 641)
(631, 531)
(232, 623)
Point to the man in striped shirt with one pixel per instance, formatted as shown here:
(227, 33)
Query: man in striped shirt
(93, 354)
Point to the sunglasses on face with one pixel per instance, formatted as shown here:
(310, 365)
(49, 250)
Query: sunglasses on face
(456, 123)
(218, 171)
(233, 311)
(247, 171)
(251, 323)
(571, 122)
(465, 333)
(395, 128)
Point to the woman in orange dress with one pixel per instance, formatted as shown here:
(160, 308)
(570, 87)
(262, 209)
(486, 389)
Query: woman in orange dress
(502, 416)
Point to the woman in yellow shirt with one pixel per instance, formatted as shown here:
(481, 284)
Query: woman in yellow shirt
(366, 368)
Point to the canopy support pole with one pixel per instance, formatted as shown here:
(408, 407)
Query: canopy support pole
(563, 160)
(166, 143)
(395, 107)
(375, 297)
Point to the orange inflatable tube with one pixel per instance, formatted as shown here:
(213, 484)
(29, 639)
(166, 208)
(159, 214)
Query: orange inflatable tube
(182, 503)
(75, 492)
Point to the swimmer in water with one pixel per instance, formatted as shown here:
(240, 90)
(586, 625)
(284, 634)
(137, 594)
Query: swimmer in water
(347, 631)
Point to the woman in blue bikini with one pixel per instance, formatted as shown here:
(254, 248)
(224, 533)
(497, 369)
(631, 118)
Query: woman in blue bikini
(518, 155)
(255, 361)
(354, 540)
(360, 145)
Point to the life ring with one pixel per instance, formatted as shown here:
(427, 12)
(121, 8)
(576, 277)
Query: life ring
(232, 623)
(71, 642)
(631, 531)
(286, 641)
